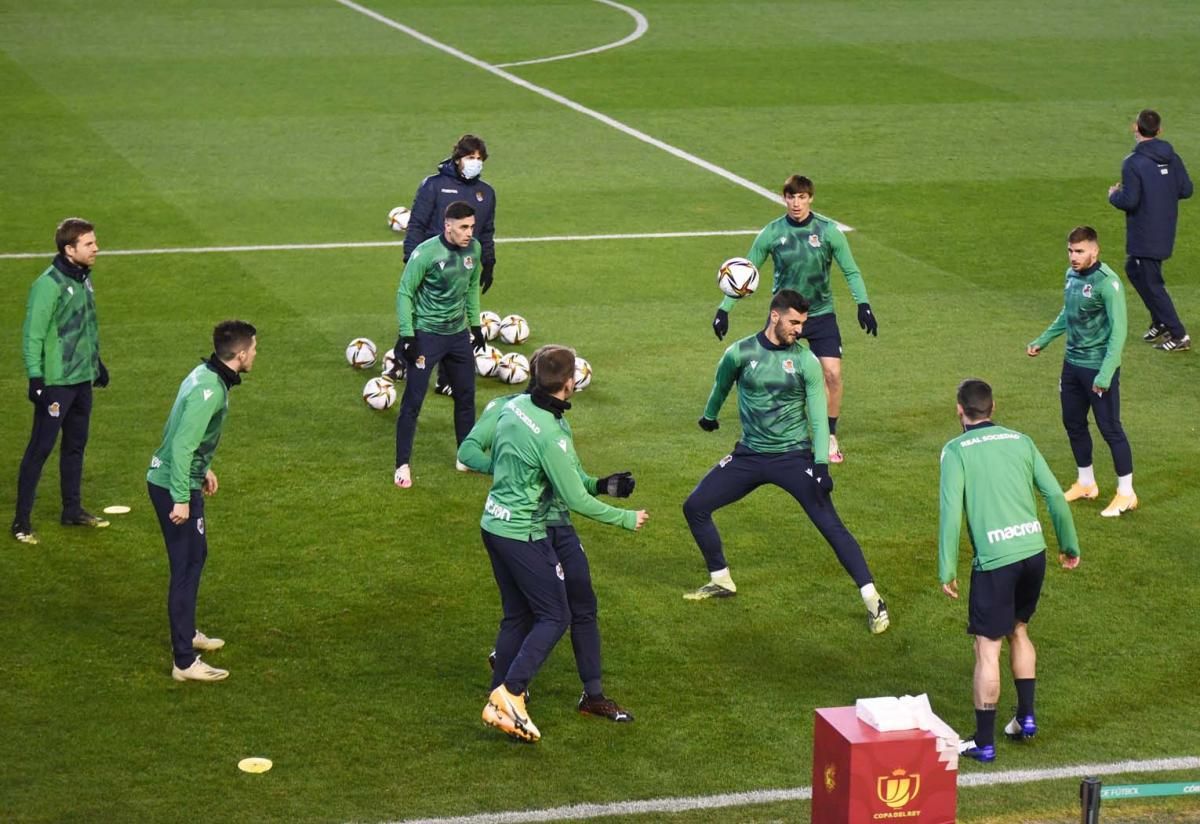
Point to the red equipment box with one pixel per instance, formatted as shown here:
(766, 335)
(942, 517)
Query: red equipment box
(863, 776)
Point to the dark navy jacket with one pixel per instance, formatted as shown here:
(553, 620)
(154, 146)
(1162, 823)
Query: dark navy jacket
(438, 191)
(1153, 181)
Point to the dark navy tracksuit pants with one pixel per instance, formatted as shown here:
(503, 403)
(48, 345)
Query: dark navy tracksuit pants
(1146, 276)
(533, 596)
(1076, 395)
(187, 549)
(581, 601)
(65, 408)
(743, 471)
(455, 352)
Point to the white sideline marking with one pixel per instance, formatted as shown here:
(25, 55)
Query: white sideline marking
(571, 104)
(642, 26)
(376, 244)
(755, 797)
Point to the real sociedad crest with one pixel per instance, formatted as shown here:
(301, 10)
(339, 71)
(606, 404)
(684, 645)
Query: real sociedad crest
(1087, 290)
(469, 262)
(479, 196)
(789, 366)
(814, 240)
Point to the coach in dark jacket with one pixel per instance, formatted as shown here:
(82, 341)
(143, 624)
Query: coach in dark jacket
(458, 178)
(1153, 181)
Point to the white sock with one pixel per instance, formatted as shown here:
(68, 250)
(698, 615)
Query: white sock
(869, 595)
(1086, 476)
(1125, 484)
(721, 577)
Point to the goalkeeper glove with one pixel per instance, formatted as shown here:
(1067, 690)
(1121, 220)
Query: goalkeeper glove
(866, 319)
(618, 485)
(709, 425)
(721, 324)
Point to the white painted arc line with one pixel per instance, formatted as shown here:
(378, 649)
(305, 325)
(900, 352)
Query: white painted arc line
(642, 26)
(577, 812)
(565, 101)
(376, 244)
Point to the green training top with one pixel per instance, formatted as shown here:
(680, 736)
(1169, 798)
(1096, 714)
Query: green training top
(191, 434)
(439, 290)
(529, 451)
(992, 471)
(802, 254)
(60, 338)
(781, 396)
(475, 452)
(1093, 316)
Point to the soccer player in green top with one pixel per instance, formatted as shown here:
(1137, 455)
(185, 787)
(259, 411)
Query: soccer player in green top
(436, 303)
(180, 470)
(781, 403)
(533, 461)
(1093, 318)
(61, 350)
(991, 472)
(581, 597)
(802, 246)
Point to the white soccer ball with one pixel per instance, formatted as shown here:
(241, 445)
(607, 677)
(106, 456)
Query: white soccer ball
(390, 362)
(487, 360)
(360, 353)
(514, 329)
(489, 322)
(583, 374)
(737, 277)
(398, 219)
(513, 368)
(379, 393)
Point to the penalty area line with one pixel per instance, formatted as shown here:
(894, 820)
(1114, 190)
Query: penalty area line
(378, 244)
(577, 812)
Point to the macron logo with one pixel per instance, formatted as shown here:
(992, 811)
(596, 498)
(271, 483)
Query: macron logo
(562, 444)
(207, 394)
(498, 512)
(1014, 531)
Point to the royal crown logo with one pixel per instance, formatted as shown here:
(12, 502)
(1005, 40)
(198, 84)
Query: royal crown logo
(898, 789)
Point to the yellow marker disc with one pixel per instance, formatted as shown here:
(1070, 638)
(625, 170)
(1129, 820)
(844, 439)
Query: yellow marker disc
(254, 765)
(116, 509)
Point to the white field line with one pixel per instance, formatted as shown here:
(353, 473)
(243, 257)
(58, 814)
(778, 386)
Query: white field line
(577, 812)
(570, 104)
(642, 26)
(376, 244)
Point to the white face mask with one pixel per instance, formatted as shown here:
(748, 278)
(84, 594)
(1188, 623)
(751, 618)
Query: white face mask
(471, 167)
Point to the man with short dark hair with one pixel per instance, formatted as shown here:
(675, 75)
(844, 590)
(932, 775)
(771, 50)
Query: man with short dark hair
(990, 471)
(459, 177)
(61, 350)
(802, 246)
(436, 304)
(1153, 181)
(781, 402)
(1093, 319)
(533, 461)
(475, 453)
(179, 477)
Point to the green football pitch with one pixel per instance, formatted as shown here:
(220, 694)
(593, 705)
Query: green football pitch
(960, 140)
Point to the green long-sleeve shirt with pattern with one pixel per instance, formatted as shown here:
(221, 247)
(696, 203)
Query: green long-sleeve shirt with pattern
(60, 337)
(439, 290)
(191, 434)
(1093, 318)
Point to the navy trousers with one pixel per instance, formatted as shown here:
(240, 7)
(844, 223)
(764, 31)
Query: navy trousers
(737, 475)
(533, 597)
(455, 352)
(65, 408)
(187, 550)
(1146, 276)
(1076, 395)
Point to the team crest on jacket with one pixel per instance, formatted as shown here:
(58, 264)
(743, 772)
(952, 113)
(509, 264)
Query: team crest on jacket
(1087, 290)
(469, 262)
(789, 366)
(814, 240)
(479, 196)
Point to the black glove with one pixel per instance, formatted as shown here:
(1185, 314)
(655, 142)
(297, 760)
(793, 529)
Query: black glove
(37, 390)
(822, 477)
(618, 485)
(721, 324)
(709, 425)
(478, 341)
(866, 319)
(486, 277)
(101, 379)
(406, 348)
